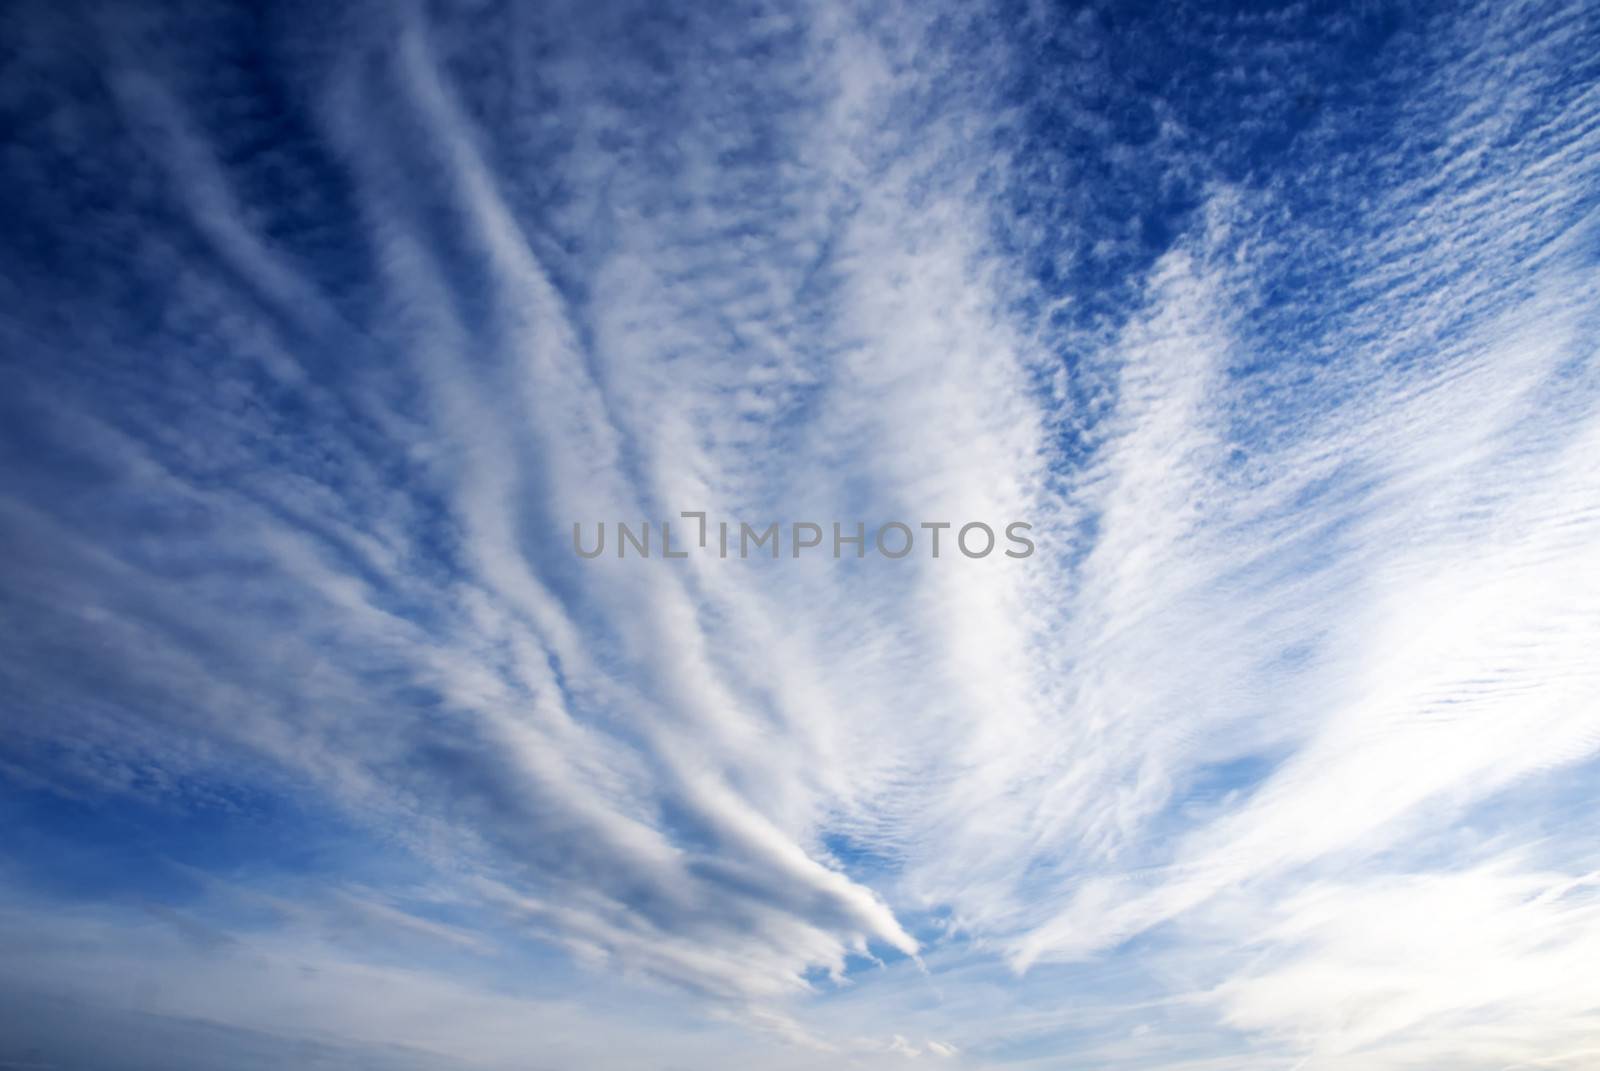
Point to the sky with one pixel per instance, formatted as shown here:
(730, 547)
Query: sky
(323, 325)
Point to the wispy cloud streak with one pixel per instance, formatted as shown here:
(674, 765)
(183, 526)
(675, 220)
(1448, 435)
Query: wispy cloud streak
(1270, 756)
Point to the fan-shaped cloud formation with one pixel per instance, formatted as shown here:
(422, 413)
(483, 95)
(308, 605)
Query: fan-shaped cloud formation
(324, 326)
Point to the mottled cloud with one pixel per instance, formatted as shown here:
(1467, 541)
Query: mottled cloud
(325, 327)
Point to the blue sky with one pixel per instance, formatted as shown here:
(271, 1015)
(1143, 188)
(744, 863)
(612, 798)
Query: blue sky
(323, 324)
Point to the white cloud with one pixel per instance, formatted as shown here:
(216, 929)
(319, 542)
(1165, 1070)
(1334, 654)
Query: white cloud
(1313, 591)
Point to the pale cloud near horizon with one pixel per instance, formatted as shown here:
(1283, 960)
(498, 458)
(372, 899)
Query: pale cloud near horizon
(1276, 754)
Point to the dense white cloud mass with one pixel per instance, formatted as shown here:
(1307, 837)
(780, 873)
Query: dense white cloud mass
(321, 746)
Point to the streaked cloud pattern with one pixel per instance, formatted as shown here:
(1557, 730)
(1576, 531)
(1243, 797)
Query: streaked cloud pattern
(322, 325)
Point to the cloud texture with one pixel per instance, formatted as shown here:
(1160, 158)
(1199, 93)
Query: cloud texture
(323, 325)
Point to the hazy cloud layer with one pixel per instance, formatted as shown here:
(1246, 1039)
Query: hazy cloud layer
(323, 325)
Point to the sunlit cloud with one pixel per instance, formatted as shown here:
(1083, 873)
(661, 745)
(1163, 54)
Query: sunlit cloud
(324, 328)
